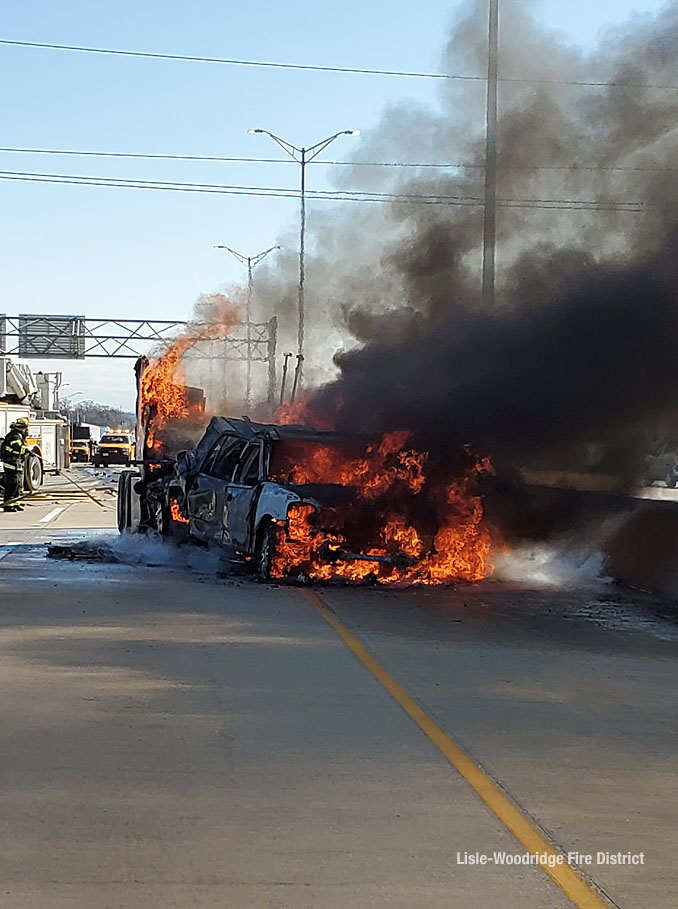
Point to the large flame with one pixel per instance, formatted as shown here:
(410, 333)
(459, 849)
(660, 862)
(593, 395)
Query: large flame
(395, 522)
(162, 390)
(164, 395)
(421, 532)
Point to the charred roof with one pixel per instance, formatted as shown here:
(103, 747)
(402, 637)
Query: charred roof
(293, 432)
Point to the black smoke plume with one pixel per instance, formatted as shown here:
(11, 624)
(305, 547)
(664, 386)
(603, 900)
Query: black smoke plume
(576, 366)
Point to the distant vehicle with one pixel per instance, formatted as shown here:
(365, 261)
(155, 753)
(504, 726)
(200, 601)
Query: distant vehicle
(84, 441)
(662, 464)
(115, 448)
(81, 450)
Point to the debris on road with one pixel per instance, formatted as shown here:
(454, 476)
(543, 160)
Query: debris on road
(85, 549)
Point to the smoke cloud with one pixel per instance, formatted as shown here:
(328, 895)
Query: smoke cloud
(575, 367)
(576, 364)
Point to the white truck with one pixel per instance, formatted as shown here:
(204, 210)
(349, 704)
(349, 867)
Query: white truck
(33, 396)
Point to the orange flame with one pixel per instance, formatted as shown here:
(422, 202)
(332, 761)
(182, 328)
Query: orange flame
(163, 392)
(291, 412)
(176, 512)
(319, 545)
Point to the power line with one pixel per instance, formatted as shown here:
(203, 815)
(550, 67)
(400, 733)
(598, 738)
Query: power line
(100, 154)
(326, 195)
(458, 165)
(586, 83)
(292, 193)
(223, 158)
(235, 62)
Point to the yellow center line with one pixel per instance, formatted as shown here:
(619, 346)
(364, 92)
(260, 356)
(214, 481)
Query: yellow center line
(566, 876)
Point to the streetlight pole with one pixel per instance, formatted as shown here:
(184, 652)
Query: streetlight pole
(303, 156)
(250, 261)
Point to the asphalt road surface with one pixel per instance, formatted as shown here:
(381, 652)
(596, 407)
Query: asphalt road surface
(174, 737)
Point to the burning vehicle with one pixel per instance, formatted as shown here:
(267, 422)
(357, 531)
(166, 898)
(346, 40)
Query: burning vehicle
(290, 500)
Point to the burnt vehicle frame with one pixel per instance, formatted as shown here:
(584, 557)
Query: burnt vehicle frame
(224, 493)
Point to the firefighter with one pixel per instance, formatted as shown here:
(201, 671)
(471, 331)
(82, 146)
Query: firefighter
(13, 452)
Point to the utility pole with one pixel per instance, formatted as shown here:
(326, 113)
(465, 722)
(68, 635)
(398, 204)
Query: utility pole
(301, 307)
(490, 217)
(250, 261)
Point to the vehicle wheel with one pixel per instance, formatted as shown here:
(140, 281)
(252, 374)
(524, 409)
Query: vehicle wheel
(265, 551)
(671, 480)
(127, 521)
(33, 475)
(162, 519)
(124, 486)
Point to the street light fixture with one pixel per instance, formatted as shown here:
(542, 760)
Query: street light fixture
(302, 156)
(67, 402)
(251, 261)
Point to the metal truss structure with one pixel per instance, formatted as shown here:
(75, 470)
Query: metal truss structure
(61, 337)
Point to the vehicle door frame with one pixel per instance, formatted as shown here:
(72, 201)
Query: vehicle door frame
(206, 493)
(241, 501)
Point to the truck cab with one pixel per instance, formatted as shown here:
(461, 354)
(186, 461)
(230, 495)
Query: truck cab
(115, 447)
(80, 450)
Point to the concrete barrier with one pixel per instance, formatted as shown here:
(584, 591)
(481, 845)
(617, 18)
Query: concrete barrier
(642, 551)
(638, 534)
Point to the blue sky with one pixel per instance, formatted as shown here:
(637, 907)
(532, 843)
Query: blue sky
(132, 253)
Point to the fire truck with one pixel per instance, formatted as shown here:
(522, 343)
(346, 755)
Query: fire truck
(33, 396)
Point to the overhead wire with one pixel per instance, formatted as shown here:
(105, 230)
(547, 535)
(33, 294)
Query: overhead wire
(323, 195)
(192, 58)
(453, 165)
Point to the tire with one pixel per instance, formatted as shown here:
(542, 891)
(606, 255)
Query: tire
(162, 520)
(265, 551)
(671, 480)
(33, 473)
(123, 510)
(127, 521)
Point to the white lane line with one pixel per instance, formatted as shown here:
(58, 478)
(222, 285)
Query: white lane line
(52, 515)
